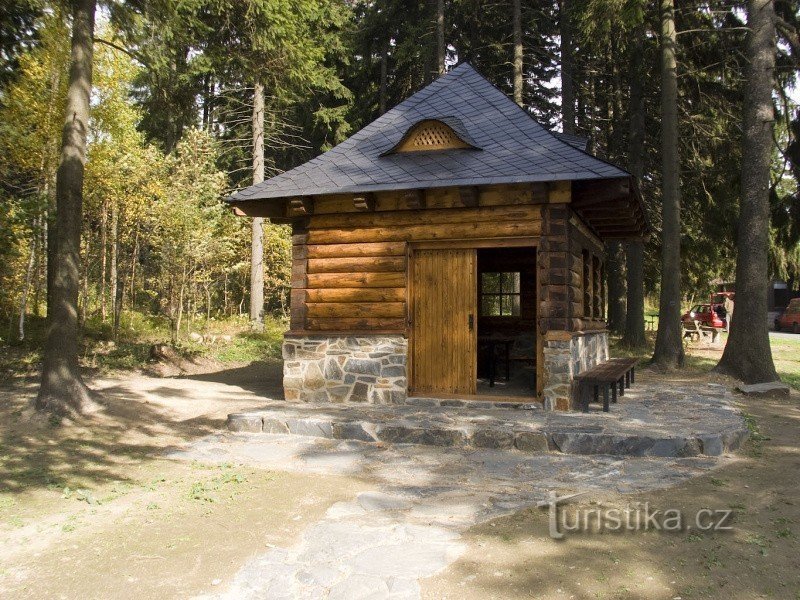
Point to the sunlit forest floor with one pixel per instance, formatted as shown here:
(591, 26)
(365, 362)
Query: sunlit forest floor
(203, 342)
(512, 557)
(94, 509)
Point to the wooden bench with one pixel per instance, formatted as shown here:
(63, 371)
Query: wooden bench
(613, 374)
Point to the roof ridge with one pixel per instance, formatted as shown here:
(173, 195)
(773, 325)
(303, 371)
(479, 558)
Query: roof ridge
(515, 150)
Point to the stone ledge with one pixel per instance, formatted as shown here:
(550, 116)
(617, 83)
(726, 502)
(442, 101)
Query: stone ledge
(764, 389)
(529, 431)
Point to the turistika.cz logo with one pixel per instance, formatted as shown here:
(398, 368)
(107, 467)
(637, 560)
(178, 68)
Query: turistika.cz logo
(563, 519)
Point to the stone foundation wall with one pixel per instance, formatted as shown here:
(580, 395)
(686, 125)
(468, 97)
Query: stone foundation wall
(370, 368)
(564, 357)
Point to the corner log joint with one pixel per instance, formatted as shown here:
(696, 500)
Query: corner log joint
(300, 207)
(364, 202)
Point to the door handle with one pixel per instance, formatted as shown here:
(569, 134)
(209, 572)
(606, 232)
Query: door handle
(471, 321)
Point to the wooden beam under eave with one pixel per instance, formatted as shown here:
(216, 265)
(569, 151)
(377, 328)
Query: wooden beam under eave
(620, 233)
(559, 192)
(601, 191)
(608, 207)
(364, 202)
(271, 209)
(469, 196)
(414, 199)
(300, 207)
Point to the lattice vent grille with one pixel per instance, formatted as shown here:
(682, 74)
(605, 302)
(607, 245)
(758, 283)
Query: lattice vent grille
(431, 135)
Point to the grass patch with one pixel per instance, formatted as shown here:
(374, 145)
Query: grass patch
(229, 340)
(786, 354)
(250, 346)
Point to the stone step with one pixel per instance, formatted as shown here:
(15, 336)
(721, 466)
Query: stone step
(494, 428)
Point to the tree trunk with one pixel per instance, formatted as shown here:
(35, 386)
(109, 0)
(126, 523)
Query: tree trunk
(615, 269)
(441, 48)
(134, 259)
(669, 345)
(383, 92)
(118, 291)
(748, 355)
(29, 272)
(114, 273)
(62, 390)
(567, 70)
(634, 251)
(103, 259)
(257, 240)
(50, 211)
(518, 52)
(85, 282)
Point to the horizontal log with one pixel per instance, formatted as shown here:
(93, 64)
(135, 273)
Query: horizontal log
(492, 195)
(356, 309)
(397, 294)
(414, 217)
(351, 280)
(334, 250)
(356, 324)
(361, 264)
(444, 231)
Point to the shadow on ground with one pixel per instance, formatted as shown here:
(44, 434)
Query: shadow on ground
(143, 416)
(514, 556)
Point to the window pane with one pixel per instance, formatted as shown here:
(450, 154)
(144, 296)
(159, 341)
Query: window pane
(490, 283)
(490, 305)
(505, 308)
(511, 283)
(515, 310)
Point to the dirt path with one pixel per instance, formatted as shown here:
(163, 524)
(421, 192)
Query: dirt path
(96, 511)
(513, 557)
(93, 511)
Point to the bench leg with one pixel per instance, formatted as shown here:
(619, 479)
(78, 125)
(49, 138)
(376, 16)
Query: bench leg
(605, 398)
(633, 375)
(614, 392)
(621, 386)
(628, 379)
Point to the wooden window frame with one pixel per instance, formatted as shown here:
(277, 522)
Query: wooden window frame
(501, 294)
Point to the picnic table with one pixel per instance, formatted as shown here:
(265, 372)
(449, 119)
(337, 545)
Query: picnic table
(695, 331)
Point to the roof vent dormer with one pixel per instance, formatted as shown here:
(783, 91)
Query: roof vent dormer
(433, 134)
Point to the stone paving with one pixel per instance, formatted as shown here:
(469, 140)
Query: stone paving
(409, 525)
(648, 421)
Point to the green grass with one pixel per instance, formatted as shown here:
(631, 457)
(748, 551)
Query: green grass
(233, 342)
(250, 346)
(785, 353)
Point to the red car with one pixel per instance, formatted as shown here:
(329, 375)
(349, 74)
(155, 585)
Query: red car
(705, 314)
(790, 319)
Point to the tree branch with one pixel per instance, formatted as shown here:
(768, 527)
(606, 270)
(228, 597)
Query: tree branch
(121, 49)
(790, 34)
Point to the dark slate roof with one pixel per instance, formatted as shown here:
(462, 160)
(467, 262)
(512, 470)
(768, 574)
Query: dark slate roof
(513, 148)
(573, 140)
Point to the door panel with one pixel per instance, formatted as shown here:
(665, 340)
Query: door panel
(444, 321)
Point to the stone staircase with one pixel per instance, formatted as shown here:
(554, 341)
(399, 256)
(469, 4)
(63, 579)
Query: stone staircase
(633, 428)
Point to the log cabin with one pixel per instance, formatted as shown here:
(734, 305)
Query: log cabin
(453, 248)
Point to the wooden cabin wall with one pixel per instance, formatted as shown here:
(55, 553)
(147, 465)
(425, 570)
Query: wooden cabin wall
(586, 306)
(349, 256)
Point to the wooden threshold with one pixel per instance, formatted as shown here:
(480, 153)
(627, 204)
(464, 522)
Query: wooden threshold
(475, 397)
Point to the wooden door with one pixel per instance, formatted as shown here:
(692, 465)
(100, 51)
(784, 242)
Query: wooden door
(444, 321)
